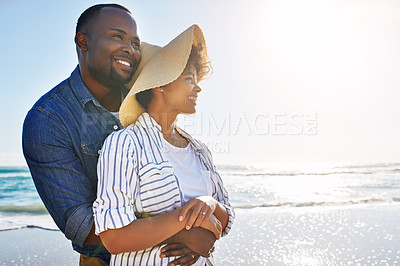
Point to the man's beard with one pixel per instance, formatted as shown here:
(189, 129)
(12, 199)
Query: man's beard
(118, 79)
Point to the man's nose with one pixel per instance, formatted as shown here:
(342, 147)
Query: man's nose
(130, 49)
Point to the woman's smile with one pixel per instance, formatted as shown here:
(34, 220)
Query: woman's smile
(192, 99)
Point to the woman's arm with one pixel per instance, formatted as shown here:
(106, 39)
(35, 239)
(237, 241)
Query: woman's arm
(142, 233)
(147, 232)
(115, 220)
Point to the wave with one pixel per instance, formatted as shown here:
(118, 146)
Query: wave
(370, 165)
(284, 173)
(266, 170)
(33, 209)
(298, 170)
(319, 204)
(21, 172)
(22, 175)
(5, 169)
(29, 226)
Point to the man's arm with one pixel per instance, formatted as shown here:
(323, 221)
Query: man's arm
(178, 245)
(92, 239)
(58, 174)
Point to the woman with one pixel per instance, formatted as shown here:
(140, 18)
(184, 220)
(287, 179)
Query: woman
(153, 170)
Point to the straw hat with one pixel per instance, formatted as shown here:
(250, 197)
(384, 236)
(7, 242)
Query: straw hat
(159, 66)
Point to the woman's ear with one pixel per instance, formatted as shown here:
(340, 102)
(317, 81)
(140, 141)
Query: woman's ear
(159, 89)
(81, 41)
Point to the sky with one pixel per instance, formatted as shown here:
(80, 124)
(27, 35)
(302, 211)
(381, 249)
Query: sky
(293, 80)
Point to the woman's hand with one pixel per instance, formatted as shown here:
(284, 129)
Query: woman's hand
(201, 210)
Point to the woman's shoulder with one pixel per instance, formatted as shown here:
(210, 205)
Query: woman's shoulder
(124, 136)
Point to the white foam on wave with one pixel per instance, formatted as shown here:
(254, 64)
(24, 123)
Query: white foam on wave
(10, 221)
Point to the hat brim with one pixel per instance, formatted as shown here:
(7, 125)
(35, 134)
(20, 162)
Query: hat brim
(159, 66)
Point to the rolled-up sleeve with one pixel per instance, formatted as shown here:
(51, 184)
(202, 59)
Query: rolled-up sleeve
(117, 184)
(79, 222)
(223, 198)
(222, 195)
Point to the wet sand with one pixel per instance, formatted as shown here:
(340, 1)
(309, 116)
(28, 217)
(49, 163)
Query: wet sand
(353, 235)
(32, 246)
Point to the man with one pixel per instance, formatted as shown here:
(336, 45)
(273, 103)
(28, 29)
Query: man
(64, 131)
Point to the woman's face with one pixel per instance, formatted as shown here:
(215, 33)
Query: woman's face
(181, 95)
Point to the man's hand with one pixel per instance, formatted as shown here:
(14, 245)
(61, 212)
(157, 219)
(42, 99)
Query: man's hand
(186, 256)
(197, 240)
(213, 225)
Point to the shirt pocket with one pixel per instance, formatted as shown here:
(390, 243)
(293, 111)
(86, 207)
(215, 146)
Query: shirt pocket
(90, 152)
(159, 189)
(92, 148)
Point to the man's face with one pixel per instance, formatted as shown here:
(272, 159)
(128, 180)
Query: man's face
(112, 54)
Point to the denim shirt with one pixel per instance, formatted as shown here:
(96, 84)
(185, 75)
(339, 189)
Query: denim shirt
(62, 136)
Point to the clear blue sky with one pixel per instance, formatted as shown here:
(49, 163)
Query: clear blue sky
(293, 80)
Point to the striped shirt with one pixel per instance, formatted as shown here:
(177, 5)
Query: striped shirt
(137, 180)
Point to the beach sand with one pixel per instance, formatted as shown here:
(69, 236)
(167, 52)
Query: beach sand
(350, 235)
(32, 246)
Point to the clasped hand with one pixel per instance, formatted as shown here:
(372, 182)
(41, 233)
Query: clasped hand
(200, 211)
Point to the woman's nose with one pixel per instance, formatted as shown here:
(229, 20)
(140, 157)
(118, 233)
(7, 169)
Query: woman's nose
(197, 88)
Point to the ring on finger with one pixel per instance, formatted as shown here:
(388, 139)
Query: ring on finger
(203, 212)
(192, 256)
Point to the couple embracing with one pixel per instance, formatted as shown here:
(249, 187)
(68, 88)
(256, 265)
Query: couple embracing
(113, 169)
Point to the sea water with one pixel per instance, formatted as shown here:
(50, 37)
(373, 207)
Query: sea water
(20, 205)
(272, 186)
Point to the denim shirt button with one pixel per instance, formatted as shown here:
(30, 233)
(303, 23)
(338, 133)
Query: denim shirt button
(116, 127)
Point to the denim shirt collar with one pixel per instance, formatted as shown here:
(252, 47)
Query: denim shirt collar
(82, 93)
(145, 120)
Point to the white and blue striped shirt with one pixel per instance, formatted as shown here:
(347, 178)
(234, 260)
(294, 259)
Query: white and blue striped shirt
(136, 180)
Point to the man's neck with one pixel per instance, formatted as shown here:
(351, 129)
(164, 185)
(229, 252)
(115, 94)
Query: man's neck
(110, 101)
(109, 96)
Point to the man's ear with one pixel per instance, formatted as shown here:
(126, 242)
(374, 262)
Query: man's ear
(81, 41)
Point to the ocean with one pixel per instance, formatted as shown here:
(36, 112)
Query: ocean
(270, 186)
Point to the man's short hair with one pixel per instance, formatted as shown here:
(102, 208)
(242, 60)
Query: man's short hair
(91, 13)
